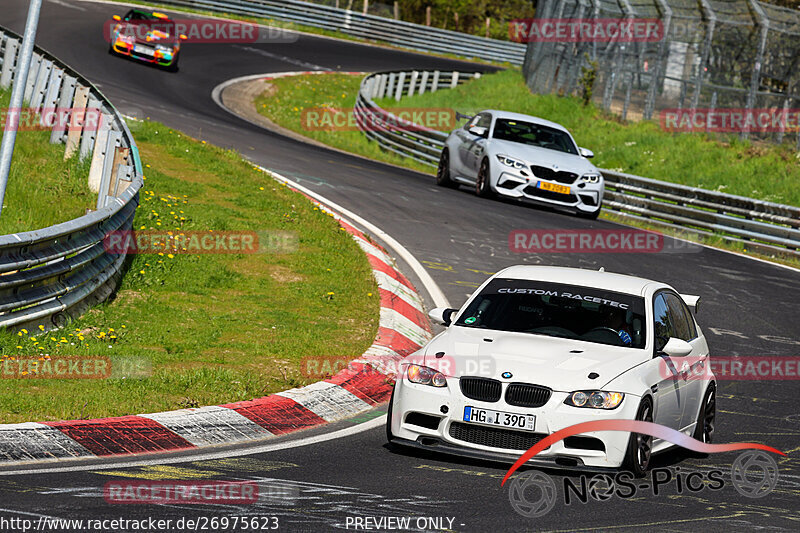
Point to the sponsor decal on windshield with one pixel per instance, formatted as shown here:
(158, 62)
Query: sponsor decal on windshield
(575, 296)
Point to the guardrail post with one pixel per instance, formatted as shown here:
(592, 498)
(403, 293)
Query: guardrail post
(41, 84)
(424, 83)
(454, 80)
(48, 105)
(390, 86)
(113, 139)
(435, 82)
(400, 82)
(89, 135)
(382, 85)
(33, 72)
(98, 153)
(64, 112)
(124, 179)
(9, 62)
(76, 118)
(121, 155)
(412, 83)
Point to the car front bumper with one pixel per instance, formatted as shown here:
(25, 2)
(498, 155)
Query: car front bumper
(151, 55)
(602, 449)
(582, 196)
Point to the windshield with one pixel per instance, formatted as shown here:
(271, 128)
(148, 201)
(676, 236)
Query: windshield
(146, 26)
(534, 135)
(558, 310)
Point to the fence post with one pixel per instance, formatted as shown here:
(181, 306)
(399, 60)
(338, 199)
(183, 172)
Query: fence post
(20, 81)
(660, 64)
(755, 78)
(454, 80)
(435, 82)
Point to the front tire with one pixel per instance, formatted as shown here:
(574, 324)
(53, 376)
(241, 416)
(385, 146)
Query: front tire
(389, 435)
(443, 178)
(483, 187)
(707, 418)
(640, 447)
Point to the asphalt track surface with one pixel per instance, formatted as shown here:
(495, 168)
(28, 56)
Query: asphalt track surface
(748, 308)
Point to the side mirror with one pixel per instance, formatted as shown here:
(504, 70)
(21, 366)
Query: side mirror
(585, 152)
(442, 315)
(677, 347)
(117, 18)
(182, 37)
(478, 130)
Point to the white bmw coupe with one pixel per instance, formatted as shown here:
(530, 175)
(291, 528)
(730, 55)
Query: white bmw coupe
(521, 156)
(537, 349)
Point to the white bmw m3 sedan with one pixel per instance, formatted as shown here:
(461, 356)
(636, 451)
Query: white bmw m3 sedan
(537, 349)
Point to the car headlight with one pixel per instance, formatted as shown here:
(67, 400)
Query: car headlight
(127, 39)
(426, 376)
(164, 48)
(511, 162)
(591, 178)
(595, 399)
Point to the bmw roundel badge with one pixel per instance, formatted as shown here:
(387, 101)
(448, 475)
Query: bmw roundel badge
(506, 375)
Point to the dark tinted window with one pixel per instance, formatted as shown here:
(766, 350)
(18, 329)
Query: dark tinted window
(662, 323)
(684, 325)
(534, 135)
(558, 310)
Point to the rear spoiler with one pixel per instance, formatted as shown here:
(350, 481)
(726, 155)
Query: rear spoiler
(691, 300)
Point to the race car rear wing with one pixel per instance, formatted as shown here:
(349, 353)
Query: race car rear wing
(692, 301)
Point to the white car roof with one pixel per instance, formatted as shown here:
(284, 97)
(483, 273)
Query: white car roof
(582, 277)
(526, 118)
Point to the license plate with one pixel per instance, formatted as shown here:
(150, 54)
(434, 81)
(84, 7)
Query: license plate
(499, 419)
(554, 187)
(141, 49)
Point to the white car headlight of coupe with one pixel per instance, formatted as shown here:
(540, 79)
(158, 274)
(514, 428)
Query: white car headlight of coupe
(423, 375)
(595, 399)
(591, 178)
(511, 162)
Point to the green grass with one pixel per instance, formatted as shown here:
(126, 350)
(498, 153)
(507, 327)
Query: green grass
(212, 328)
(290, 97)
(762, 171)
(43, 189)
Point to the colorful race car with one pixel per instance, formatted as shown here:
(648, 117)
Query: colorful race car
(147, 36)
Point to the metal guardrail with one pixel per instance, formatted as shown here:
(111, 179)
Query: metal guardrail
(52, 274)
(395, 32)
(764, 226)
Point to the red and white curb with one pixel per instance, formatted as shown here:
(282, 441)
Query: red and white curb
(403, 328)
